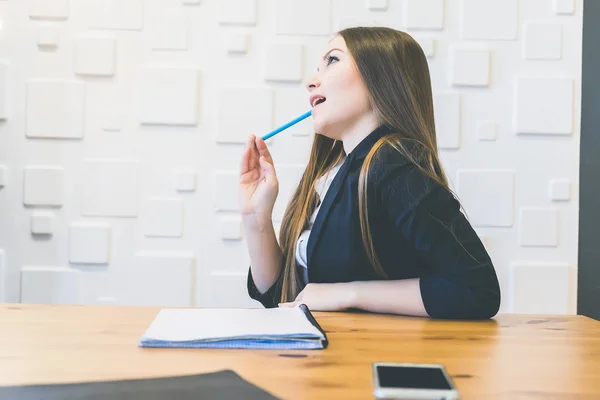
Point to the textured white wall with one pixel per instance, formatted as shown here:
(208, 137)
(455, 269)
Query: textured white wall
(122, 123)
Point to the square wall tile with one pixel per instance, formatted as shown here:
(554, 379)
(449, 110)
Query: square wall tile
(185, 181)
(48, 118)
(48, 36)
(113, 119)
(237, 42)
(299, 18)
(376, 5)
(284, 62)
(559, 190)
(487, 130)
(118, 15)
(169, 96)
(48, 9)
(169, 30)
(540, 288)
(489, 20)
(95, 56)
(231, 228)
(110, 187)
(50, 285)
(42, 223)
(168, 278)
(563, 6)
(469, 67)
(487, 196)
(162, 217)
(543, 106)
(538, 227)
(89, 242)
(238, 12)
(424, 14)
(543, 41)
(43, 186)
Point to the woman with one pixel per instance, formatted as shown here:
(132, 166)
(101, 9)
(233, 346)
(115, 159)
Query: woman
(372, 224)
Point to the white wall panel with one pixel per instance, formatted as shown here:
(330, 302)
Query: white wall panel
(50, 285)
(110, 187)
(49, 9)
(424, 14)
(169, 96)
(90, 242)
(44, 185)
(55, 109)
(543, 106)
(122, 123)
(163, 278)
(489, 20)
(308, 17)
(4, 94)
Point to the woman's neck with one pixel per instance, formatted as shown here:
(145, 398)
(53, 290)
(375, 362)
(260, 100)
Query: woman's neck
(355, 133)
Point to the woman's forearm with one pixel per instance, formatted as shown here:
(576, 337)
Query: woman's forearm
(265, 253)
(392, 297)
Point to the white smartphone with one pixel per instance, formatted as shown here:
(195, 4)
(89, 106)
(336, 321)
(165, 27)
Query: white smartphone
(412, 381)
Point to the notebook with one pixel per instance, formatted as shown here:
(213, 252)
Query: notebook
(285, 328)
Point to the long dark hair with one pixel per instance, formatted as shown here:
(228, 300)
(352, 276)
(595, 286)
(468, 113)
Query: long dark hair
(395, 71)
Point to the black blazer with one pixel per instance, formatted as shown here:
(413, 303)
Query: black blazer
(418, 231)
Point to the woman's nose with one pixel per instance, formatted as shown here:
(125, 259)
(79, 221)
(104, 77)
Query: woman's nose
(312, 83)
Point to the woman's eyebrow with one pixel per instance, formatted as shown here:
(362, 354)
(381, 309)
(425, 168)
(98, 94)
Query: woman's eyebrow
(326, 54)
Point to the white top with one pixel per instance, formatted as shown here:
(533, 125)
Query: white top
(322, 185)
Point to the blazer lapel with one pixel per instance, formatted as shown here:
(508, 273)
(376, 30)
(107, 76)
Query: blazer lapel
(356, 155)
(323, 213)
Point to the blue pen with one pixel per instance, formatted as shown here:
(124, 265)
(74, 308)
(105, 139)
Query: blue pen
(283, 127)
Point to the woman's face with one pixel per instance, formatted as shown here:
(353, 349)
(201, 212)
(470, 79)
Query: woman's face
(337, 93)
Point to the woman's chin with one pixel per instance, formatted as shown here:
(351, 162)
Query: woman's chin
(321, 128)
(325, 132)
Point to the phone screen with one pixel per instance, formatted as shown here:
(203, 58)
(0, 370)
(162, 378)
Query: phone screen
(412, 378)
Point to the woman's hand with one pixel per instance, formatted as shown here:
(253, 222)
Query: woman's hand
(259, 186)
(325, 297)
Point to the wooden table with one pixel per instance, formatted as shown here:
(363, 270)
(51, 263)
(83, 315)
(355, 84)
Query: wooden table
(510, 357)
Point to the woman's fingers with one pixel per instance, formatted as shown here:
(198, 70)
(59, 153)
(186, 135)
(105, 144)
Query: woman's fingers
(263, 150)
(248, 160)
(245, 161)
(267, 169)
(252, 152)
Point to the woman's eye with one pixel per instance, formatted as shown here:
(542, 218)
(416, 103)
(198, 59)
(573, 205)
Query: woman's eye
(330, 59)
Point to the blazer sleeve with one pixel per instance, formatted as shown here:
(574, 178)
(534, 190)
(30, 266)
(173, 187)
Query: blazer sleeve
(270, 298)
(458, 280)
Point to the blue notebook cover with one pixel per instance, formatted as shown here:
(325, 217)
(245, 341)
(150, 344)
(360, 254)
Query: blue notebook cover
(277, 328)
